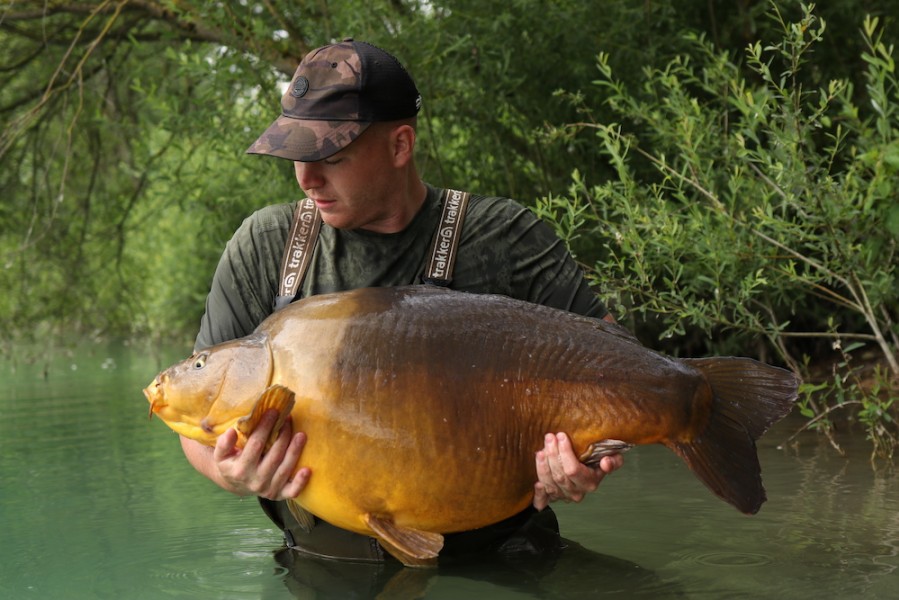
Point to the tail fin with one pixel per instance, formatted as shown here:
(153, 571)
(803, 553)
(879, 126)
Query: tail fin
(749, 397)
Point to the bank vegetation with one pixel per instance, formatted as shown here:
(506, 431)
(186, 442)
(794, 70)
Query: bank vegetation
(726, 172)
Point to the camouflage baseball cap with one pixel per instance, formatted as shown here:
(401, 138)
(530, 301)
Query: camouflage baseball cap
(336, 93)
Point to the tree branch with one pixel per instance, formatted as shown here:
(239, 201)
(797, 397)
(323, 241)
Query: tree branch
(182, 22)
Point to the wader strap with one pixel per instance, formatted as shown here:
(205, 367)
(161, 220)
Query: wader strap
(442, 256)
(298, 252)
(307, 223)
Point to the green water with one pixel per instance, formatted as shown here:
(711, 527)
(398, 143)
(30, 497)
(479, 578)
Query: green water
(96, 501)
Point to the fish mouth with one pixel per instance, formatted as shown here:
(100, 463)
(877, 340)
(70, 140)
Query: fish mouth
(155, 395)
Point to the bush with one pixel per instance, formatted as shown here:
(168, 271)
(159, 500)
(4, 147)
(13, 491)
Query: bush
(751, 214)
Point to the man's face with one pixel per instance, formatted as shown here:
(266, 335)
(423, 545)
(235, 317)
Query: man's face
(352, 188)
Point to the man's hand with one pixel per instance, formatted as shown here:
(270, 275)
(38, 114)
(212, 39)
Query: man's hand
(251, 470)
(561, 476)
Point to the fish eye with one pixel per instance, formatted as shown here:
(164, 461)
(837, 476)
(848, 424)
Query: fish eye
(200, 362)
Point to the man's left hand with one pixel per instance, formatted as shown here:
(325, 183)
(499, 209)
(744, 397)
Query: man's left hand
(561, 476)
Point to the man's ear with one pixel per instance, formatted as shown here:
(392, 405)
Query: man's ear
(403, 144)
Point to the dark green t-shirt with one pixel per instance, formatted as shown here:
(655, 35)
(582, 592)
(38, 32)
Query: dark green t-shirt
(504, 249)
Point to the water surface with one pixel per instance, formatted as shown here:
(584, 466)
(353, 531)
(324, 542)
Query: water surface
(97, 501)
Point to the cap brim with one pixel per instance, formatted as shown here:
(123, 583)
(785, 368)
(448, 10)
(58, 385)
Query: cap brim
(306, 140)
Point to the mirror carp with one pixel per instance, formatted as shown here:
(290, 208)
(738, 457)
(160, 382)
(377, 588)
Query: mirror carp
(423, 407)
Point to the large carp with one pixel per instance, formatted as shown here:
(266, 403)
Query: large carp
(423, 407)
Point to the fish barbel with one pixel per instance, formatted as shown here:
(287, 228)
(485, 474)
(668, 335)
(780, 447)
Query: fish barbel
(423, 407)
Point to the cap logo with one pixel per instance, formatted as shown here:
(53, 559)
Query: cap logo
(300, 87)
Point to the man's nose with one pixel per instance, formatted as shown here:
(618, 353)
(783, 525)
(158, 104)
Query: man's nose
(309, 174)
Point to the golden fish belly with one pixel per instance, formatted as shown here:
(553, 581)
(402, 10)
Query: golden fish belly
(428, 405)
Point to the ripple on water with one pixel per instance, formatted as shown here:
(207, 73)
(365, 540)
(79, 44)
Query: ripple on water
(235, 565)
(727, 559)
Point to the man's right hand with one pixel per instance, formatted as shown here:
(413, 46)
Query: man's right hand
(251, 470)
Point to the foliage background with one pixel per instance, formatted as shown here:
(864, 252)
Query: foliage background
(664, 139)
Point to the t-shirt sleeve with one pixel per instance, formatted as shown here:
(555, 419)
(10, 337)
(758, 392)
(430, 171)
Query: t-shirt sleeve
(524, 258)
(243, 287)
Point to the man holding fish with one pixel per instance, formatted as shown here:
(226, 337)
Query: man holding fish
(348, 123)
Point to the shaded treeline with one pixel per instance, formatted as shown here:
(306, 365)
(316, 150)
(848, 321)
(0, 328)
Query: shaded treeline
(123, 127)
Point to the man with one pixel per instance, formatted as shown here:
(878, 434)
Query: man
(348, 123)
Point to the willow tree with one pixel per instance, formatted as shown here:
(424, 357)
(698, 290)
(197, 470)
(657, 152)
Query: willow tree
(123, 125)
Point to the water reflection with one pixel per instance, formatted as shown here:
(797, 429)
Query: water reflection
(573, 573)
(842, 516)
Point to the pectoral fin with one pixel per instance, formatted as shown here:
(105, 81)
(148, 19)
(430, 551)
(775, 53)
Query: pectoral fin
(412, 547)
(304, 518)
(275, 397)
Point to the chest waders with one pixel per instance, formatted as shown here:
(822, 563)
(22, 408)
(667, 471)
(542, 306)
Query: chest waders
(304, 235)
(528, 531)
